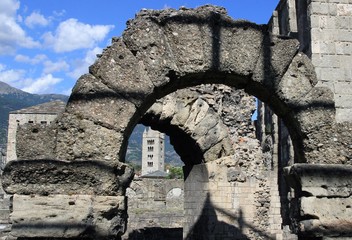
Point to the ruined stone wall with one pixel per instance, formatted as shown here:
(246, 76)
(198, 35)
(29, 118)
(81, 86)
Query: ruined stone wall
(232, 188)
(324, 31)
(155, 205)
(235, 196)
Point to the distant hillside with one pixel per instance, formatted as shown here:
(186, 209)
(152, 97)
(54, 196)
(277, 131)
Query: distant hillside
(14, 99)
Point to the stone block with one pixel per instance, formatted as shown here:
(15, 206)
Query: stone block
(61, 177)
(343, 22)
(346, 65)
(344, 9)
(344, 35)
(343, 101)
(272, 58)
(332, 74)
(327, 22)
(121, 72)
(320, 208)
(319, 8)
(146, 39)
(318, 34)
(343, 114)
(321, 180)
(82, 139)
(68, 216)
(298, 80)
(344, 48)
(326, 61)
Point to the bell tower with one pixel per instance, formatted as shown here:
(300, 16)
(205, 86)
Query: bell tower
(152, 151)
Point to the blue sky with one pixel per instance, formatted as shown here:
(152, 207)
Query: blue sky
(45, 45)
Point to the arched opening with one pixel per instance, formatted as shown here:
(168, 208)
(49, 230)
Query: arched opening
(248, 57)
(248, 174)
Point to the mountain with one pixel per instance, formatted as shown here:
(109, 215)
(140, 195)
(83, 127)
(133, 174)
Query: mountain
(14, 99)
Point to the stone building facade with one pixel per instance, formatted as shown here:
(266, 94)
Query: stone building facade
(153, 152)
(324, 32)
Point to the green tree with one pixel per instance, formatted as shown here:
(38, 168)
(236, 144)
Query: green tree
(175, 172)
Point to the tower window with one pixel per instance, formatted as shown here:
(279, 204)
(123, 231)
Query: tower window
(150, 164)
(150, 149)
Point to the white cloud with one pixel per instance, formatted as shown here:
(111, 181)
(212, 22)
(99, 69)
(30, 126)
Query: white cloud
(59, 13)
(16, 78)
(50, 67)
(11, 76)
(9, 7)
(36, 19)
(11, 33)
(31, 60)
(81, 65)
(72, 35)
(42, 84)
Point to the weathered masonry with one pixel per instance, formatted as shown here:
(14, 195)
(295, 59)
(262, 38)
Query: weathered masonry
(42, 115)
(299, 68)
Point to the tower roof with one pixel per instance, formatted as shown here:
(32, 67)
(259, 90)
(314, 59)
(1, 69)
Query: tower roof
(156, 174)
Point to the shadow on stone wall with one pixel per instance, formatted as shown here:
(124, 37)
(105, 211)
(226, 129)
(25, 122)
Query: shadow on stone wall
(209, 226)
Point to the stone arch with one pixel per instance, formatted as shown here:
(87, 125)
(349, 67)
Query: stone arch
(174, 193)
(196, 131)
(161, 51)
(137, 190)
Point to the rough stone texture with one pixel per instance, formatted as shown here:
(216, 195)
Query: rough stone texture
(36, 141)
(322, 201)
(68, 216)
(59, 177)
(120, 71)
(94, 126)
(222, 201)
(206, 115)
(33, 116)
(298, 80)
